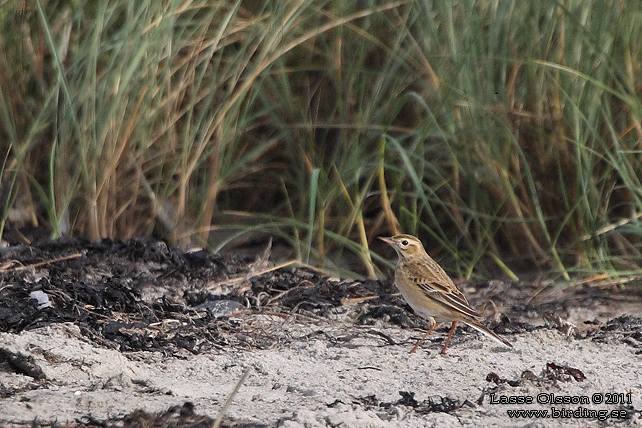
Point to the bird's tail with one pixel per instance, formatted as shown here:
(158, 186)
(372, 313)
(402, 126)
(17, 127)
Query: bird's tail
(483, 329)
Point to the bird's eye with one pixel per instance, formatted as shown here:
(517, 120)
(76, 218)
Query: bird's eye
(404, 242)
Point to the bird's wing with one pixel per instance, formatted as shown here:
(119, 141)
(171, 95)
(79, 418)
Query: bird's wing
(437, 285)
(449, 296)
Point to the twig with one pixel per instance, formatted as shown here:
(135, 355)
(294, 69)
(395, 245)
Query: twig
(304, 284)
(264, 271)
(217, 422)
(270, 313)
(47, 262)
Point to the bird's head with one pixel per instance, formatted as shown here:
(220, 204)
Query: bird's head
(407, 246)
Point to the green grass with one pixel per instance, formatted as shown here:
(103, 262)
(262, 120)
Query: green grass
(506, 134)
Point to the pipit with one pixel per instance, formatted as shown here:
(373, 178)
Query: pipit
(430, 292)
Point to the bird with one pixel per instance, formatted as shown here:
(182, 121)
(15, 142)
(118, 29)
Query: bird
(430, 292)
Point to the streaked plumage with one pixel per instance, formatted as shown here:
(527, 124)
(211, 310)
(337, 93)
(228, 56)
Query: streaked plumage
(430, 292)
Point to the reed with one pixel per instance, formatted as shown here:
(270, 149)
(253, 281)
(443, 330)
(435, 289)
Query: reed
(506, 134)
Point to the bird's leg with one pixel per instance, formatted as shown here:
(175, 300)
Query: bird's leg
(432, 327)
(450, 334)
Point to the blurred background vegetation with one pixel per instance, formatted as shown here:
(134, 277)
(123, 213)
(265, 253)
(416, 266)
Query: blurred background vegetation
(506, 134)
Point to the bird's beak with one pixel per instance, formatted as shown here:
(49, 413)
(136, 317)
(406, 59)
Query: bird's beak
(386, 240)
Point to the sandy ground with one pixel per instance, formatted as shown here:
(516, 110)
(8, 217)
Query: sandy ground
(326, 373)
